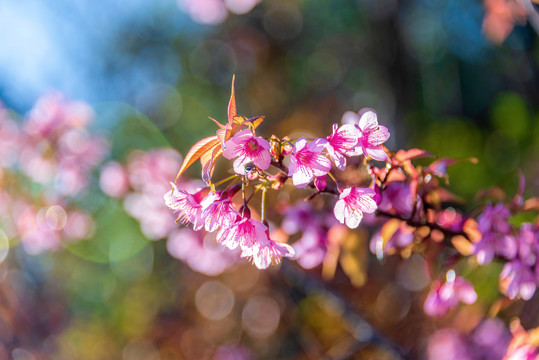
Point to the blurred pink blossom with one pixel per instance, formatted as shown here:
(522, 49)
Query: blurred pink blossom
(517, 280)
(496, 238)
(151, 171)
(266, 252)
(113, 180)
(213, 12)
(202, 254)
(443, 297)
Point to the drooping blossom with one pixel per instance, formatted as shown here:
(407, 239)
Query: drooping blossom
(352, 203)
(245, 232)
(443, 297)
(372, 135)
(496, 238)
(266, 251)
(253, 239)
(248, 149)
(219, 212)
(307, 161)
(341, 142)
(189, 206)
(517, 280)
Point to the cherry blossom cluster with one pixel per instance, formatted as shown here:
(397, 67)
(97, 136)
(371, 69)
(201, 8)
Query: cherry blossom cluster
(307, 163)
(45, 162)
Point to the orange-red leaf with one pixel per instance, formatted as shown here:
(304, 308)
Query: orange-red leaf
(221, 126)
(197, 151)
(232, 112)
(255, 121)
(208, 161)
(403, 155)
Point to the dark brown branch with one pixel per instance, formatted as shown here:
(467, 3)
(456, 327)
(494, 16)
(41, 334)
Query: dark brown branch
(417, 224)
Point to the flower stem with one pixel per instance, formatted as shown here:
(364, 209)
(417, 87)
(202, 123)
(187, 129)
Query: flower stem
(263, 209)
(225, 180)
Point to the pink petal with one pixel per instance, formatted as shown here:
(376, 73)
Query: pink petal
(353, 217)
(467, 293)
(263, 159)
(317, 145)
(376, 154)
(338, 158)
(239, 164)
(339, 210)
(300, 144)
(368, 121)
(379, 136)
(350, 117)
(321, 166)
(263, 143)
(303, 176)
(367, 204)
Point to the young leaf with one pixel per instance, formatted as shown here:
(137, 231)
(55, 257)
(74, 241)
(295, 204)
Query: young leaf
(208, 161)
(198, 150)
(232, 103)
(403, 155)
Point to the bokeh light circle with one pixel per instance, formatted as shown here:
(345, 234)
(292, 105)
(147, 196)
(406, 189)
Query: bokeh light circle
(261, 316)
(214, 300)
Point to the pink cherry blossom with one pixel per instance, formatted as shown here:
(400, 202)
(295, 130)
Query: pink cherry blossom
(267, 251)
(496, 237)
(219, 213)
(247, 148)
(113, 180)
(352, 203)
(189, 206)
(341, 142)
(245, 232)
(372, 135)
(517, 280)
(307, 161)
(311, 248)
(443, 297)
(201, 253)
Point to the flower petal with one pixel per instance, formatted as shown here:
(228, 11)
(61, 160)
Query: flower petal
(368, 121)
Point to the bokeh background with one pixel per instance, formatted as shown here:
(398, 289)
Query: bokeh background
(100, 101)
